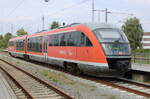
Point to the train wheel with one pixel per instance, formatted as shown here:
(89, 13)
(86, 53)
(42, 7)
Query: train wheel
(78, 71)
(73, 68)
(10, 54)
(26, 57)
(70, 67)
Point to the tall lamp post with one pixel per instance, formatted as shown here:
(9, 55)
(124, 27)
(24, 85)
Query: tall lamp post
(46, 0)
(93, 8)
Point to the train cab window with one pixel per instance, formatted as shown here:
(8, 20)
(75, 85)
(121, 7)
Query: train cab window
(109, 35)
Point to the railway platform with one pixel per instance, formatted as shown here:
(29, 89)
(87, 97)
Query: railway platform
(5, 90)
(141, 67)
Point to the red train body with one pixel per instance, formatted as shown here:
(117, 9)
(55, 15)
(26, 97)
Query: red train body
(97, 49)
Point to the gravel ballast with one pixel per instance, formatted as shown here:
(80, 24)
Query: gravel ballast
(80, 88)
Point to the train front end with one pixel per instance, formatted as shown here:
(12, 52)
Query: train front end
(116, 48)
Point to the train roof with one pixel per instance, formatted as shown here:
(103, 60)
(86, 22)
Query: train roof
(94, 26)
(18, 38)
(91, 26)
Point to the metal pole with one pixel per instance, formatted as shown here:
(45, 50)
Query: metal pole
(43, 25)
(11, 28)
(99, 16)
(106, 15)
(93, 10)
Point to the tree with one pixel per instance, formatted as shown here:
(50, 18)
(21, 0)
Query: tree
(21, 32)
(8, 36)
(134, 31)
(1, 37)
(54, 25)
(4, 40)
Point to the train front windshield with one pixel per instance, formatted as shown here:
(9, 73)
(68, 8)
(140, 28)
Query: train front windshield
(114, 41)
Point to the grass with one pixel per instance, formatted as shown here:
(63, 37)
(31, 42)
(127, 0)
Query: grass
(57, 77)
(109, 97)
(64, 80)
(112, 97)
(18, 62)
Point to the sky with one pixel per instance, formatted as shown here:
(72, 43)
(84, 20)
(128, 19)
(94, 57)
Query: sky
(28, 14)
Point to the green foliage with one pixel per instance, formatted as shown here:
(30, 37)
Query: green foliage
(1, 37)
(21, 31)
(3, 43)
(4, 40)
(7, 36)
(134, 31)
(141, 51)
(54, 25)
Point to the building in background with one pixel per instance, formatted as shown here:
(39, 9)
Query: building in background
(146, 40)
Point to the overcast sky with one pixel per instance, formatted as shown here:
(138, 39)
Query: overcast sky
(28, 13)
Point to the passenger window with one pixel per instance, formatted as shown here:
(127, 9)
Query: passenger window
(20, 45)
(71, 39)
(88, 42)
(62, 39)
(83, 40)
(35, 44)
(50, 40)
(54, 40)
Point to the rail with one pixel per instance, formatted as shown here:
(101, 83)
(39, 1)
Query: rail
(119, 83)
(54, 88)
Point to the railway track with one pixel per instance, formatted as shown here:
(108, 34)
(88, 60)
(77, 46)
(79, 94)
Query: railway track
(124, 84)
(131, 86)
(127, 85)
(33, 87)
(20, 93)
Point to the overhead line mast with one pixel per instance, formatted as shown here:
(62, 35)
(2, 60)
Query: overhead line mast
(93, 8)
(109, 12)
(43, 22)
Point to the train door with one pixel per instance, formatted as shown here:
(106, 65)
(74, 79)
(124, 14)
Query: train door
(45, 48)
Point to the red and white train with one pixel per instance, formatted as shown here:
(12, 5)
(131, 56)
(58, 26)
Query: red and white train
(92, 48)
